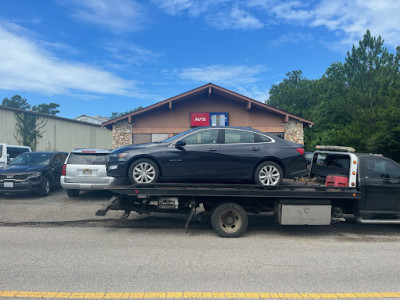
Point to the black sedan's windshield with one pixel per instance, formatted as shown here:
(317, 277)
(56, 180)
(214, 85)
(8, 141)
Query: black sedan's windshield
(32, 158)
(171, 139)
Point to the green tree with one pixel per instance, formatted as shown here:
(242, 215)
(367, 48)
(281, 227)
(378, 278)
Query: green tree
(355, 103)
(29, 128)
(117, 114)
(49, 109)
(16, 101)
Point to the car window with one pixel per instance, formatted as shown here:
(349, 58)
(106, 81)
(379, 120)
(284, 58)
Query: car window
(175, 137)
(87, 158)
(31, 158)
(202, 137)
(244, 137)
(380, 168)
(59, 158)
(238, 137)
(15, 151)
(258, 138)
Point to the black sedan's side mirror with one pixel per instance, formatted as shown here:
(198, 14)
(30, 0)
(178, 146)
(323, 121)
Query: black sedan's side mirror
(180, 144)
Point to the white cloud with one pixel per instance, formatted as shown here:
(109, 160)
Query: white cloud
(116, 15)
(293, 38)
(353, 18)
(177, 7)
(221, 14)
(349, 20)
(235, 18)
(130, 53)
(25, 66)
(255, 92)
(222, 74)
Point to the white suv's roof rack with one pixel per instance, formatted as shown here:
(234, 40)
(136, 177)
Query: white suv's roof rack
(336, 148)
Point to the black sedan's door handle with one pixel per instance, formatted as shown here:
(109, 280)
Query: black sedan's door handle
(254, 149)
(212, 149)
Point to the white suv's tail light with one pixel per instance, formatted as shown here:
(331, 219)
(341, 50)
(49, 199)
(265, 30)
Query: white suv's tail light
(64, 170)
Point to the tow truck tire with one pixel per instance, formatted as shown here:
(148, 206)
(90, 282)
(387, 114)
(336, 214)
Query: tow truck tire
(44, 189)
(229, 220)
(143, 171)
(268, 173)
(73, 193)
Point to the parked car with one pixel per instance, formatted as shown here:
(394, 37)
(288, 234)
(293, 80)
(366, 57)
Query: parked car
(210, 154)
(32, 171)
(9, 152)
(85, 169)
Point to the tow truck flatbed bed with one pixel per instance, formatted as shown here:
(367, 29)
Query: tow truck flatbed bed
(237, 190)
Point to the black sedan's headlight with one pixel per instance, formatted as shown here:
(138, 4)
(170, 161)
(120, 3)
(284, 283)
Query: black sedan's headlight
(118, 155)
(34, 175)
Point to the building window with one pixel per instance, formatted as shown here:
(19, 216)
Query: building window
(159, 137)
(219, 119)
(141, 138)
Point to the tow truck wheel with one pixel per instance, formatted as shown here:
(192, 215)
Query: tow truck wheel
(143, 171)
(229, 220)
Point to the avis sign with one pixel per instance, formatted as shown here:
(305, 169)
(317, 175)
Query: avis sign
(209, 119)
(200, 119)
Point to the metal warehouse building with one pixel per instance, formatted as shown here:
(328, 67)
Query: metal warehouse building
(207, 105)
(59, 134)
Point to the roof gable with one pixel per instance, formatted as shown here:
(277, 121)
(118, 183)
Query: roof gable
(207, 89)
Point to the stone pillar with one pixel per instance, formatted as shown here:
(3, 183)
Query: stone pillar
(121, 134)
(294, 132)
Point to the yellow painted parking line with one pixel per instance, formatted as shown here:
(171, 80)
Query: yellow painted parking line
(193, 295)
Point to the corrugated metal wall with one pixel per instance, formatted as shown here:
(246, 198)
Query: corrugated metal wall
(58, 134)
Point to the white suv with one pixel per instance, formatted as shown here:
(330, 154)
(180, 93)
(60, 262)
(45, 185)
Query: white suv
(85, 169)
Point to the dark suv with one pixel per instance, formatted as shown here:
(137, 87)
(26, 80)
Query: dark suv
(32, 171)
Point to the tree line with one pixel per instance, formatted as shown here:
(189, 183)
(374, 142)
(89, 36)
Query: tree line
(355, 103)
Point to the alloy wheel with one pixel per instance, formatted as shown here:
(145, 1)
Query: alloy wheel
(269, 175)
(144, 172)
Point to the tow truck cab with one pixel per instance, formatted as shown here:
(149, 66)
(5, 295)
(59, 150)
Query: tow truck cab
(375, 176)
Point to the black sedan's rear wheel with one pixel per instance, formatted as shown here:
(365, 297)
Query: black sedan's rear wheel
(143, 171)
(229, 220)
(268, 173)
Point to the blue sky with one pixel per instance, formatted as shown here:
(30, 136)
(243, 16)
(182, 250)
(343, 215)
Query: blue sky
(95, 57)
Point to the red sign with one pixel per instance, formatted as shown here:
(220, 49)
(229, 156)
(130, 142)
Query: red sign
(200, 119)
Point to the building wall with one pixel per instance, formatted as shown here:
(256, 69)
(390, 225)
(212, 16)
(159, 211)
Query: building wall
(121, 134)
(294, 132)
(145, 127)
(59, 134)
(178, 119)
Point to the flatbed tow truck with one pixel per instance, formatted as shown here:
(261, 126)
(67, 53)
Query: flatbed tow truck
(340, 182)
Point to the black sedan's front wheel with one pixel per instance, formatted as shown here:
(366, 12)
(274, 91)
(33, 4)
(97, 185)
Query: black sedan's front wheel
(44, 189)
(268, 173)
(143, 171)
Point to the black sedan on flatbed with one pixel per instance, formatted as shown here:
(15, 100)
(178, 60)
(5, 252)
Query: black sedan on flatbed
(210, 154)
(32, 171)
